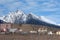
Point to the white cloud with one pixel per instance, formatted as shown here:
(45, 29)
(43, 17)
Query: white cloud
(2, 10)
(30, 4)
(7, 1)
(14, 5)
(50, 5)
(50, 9)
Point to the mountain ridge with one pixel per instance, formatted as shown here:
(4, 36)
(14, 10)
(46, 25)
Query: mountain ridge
(20, 17)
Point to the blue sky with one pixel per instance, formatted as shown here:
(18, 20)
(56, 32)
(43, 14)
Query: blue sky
(47, 8)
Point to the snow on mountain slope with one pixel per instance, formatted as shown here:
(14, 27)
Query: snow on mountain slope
(31, 15)
(43, 18)
(2, 17)
(15, 17)
(20, 17)
(58, 24)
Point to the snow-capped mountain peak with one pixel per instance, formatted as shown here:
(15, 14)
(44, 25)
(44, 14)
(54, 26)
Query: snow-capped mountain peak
(14, 17)
(18, 12)
(20, 17)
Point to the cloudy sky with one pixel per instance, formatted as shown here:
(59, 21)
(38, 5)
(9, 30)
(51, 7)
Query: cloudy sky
(47, 8)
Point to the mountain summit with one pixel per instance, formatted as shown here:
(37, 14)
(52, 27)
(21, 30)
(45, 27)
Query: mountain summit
(15, 17)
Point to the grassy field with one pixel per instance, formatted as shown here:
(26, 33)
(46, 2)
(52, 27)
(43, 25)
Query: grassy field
(29, 37)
